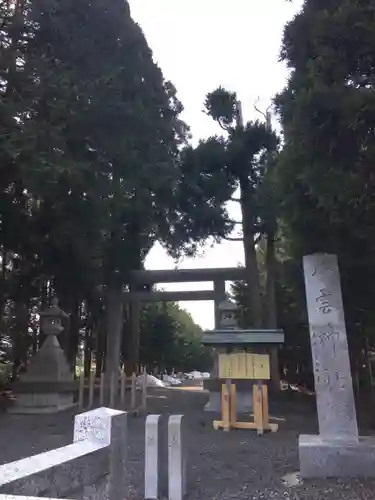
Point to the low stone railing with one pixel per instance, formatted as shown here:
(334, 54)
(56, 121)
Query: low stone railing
(96, 461)
(94, 466)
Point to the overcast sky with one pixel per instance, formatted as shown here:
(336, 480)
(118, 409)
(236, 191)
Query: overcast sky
(199, 45)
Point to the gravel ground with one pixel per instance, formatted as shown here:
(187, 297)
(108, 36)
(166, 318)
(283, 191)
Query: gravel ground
(237, 465)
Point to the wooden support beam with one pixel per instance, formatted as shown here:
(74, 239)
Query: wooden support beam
(160, 296)
(186, 275)
(229, 421)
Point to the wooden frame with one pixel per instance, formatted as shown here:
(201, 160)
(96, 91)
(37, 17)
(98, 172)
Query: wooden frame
(229, 421)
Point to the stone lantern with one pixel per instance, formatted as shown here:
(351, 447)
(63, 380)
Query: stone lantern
(48, 384)
(228, 315)
(51, 319)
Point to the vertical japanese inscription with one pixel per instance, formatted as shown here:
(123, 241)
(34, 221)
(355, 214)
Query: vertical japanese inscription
(324, 301)
(329, 347)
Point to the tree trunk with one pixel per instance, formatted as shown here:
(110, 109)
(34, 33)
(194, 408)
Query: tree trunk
(72, 339)
(3, 279)
(271, 312)
(20, 336)
(271, 309)
(114, 320)
(100, 349)
(133, 344)
(252, 271)
(248, 228)
(87, 353)
(35, 341)
(134, 338)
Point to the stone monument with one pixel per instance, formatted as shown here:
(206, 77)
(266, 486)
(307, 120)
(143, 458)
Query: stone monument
(48, 385)
(229, 337)
(337, 451)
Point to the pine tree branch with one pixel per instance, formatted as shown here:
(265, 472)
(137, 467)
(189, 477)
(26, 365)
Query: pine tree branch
(221, 124)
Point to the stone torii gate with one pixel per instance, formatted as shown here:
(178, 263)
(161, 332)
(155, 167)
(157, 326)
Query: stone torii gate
(137, 294)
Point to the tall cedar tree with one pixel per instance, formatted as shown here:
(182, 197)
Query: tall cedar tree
(326, 174)
(97, 141)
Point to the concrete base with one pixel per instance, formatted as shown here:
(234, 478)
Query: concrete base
(27, 404)
(244, 402)
(321, 457)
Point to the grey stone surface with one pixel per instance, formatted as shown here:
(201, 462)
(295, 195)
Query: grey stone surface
(106, 427)
(336, 451)
(228, 314)
(329, 347)
(40, 402)
(94, 426)
(46, 387)
(177, 458)
(152, 458)
(47, 366)
(98, 453)
(117, 479)
(323, 457)
(19, 497)
(56, 473)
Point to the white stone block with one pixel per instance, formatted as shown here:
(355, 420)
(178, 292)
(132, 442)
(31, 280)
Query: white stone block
(176, 458)
(152, 465)
(95, 425)
(96, 459)
(107, 427)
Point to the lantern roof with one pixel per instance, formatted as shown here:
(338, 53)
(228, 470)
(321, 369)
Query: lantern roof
(54, 311)
(227, 305)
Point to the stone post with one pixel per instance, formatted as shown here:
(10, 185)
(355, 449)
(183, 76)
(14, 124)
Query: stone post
(152, 462)
(329, 348)
(176, 458)
(337, 450)
(109, 427)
